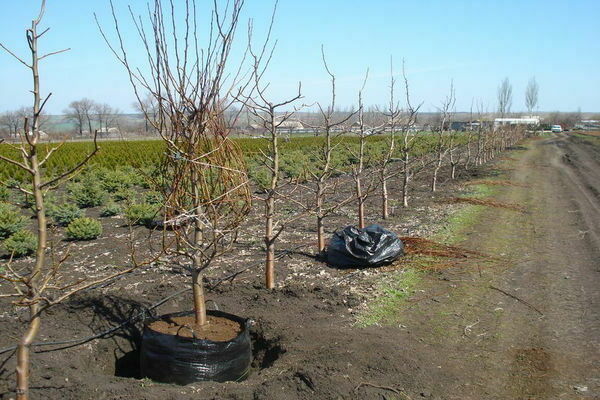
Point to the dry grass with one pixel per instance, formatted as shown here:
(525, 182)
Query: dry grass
(491, 182)
(426, 247)
(487, 203)
(427, 255)
(591, 133)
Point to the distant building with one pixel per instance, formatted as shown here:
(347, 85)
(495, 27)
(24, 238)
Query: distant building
(290, 125)
(460, 126)
(463, 126)
(529, 120)
(43, 135)
(108, 132)
(588, 125)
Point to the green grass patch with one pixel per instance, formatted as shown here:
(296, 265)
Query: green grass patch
(595, 140)
(458, 224)
(394, 292)
(480, 191)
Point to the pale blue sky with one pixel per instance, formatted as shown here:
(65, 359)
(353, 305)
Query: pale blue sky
(475, 43)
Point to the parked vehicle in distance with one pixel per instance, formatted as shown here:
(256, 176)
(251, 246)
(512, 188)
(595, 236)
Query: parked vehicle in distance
(556, 128)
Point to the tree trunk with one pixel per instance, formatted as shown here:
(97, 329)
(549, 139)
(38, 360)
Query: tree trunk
(34, 317)
(89, 125)
(361, 203)
(405, 179)
(384, 195)
(23, 353)
(320, 218)
(361, 213)
(199, 300)
(469, 155)
(270, 206)
(197, 265)
(435, 174)
(270, 244)
(321, 234)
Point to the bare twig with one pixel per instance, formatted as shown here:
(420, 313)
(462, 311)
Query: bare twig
(518, 299)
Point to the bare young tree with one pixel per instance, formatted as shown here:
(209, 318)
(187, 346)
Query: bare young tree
(531, 95)
(323, 171)
(442, 131)
(361, 190)
(42, 284)
(392, 114)
(504, 97)
(148, 106)
(12, 122)
(481, 137)
(266, 111)
(80, 112)
(470, 132)
(407, 140)
(208, 194)
(104, 115)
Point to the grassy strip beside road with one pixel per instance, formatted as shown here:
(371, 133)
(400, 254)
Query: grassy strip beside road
(393, 294)
(386, 308)
(455, 229)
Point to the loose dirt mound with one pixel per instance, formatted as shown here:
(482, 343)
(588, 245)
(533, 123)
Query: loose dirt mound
(218, 329)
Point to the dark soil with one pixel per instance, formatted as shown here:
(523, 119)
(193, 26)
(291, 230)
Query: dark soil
(218, 329)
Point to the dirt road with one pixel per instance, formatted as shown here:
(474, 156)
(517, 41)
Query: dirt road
(532, 331)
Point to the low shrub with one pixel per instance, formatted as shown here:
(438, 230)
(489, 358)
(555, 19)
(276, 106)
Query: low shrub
(110, 210)
(11, 220)
(115, 180)
(84, 229)
(126, 195)
(142, 213)
(144, 177)
(154, 197)
(296, 164)
(87, 192)
(4, 193)
(63, 214)
(20, 244)
(259, 174)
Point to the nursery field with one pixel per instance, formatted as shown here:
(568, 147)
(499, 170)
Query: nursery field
(298, 153)
(496, 298)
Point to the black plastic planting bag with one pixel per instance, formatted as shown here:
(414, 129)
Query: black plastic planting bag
(369, 247)
(175, 359)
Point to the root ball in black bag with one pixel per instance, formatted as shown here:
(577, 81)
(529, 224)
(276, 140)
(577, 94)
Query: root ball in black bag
(372, 246)
(182, 360)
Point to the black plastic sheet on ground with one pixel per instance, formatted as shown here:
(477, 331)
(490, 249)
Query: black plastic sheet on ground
(181, 360)
(372, 246)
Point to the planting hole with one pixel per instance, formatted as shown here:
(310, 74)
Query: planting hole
(265, 351)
